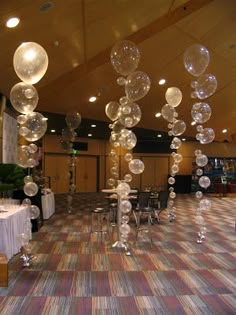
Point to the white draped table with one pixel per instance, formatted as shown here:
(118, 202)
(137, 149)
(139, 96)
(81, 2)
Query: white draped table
(12, 224)
(48, 205)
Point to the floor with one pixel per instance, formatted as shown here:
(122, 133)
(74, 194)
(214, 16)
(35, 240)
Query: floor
(74, 272)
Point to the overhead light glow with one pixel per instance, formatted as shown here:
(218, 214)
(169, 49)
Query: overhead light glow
(53, 130)
(93, 126)
(12, 22)
(162, 81)
(158, 115)
(90, 135)
(224, 130)
(183, 139)
(193, 123)
(159, 135)
(92, 99)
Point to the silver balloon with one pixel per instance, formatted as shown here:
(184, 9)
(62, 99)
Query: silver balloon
(196, 59)
(30, 62)
(20, 100)
(125, 57)
(73, 120)
(201, 112)
(137, 85)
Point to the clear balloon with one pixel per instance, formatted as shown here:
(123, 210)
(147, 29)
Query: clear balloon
(73, 120)
(22, 156)
(171, 180)
(206, 86)
(176, 143)
(196, 59)
(204, 181)
(207, 136)
(111, 182)
(128, 157)
(26, 202)
(128, 178)
(198, 194)
(173, 96)
(20, 100)
(121, 81)
(128, 141)
(123, 189)
(201, 112)
(37, 126)
(125, 57)
(205, 204)
(179, 128)
(28, 179)
(34, 212)
(21, 119)
(113, 111)
(136, 166)
(178, 158)
(132, 117)
(199, 172)
(137, 85)
(125, 206)
(125, 228)
(168, 112)
(30, 62)
(68, 134)
(201, 160)
(32, 148)
(30, 189)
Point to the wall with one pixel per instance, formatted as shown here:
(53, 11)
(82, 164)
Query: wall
(157, 166)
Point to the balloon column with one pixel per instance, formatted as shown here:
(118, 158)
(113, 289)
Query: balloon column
(30, 63)
(196, 60)
(124, 115)
(177, 127)
(73, 120)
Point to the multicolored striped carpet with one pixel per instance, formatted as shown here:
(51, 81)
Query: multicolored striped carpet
(76, 273)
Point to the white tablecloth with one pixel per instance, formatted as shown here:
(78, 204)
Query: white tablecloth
(12, 224)
(48, 205)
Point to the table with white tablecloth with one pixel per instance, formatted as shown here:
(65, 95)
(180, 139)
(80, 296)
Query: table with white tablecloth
(12, 224)
(48, 205)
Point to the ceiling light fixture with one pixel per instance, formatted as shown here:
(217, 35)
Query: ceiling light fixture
(162, 81)
(158, 115)
(193, 123)
(224, 130)
(93, 126)
(92, 99)
(53, 130)
(89, 135)
(12, 22)
(159, 135)
(183, 139)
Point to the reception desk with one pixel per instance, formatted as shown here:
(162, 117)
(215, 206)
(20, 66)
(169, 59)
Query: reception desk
(12, 224)
(48, 204)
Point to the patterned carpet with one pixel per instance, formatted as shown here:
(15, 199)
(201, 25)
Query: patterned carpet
(76, 273)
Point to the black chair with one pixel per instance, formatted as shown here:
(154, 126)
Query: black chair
(163, 197)
(143, 211)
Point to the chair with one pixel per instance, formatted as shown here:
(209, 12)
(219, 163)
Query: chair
(143, 210)
(163, 197)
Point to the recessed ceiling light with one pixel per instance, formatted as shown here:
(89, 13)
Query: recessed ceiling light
(183, 139)
(92, 99)
(158, 115)
(224, 130)
(193, 123)
(93, 126)
(89, 135)
(162, 81)
(12, 22)
(159, 135)
(53, 130)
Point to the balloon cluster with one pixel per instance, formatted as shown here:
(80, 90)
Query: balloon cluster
(73, 120)
(177, 127)
(30, 63)
(196, 61)
(124, 115)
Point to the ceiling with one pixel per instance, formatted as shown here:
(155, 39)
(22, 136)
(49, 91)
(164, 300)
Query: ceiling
(78, 36)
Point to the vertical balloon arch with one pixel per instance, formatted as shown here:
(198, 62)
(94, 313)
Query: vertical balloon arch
(30, 63)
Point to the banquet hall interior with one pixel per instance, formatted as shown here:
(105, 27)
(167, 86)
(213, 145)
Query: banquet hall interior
(118, 157)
